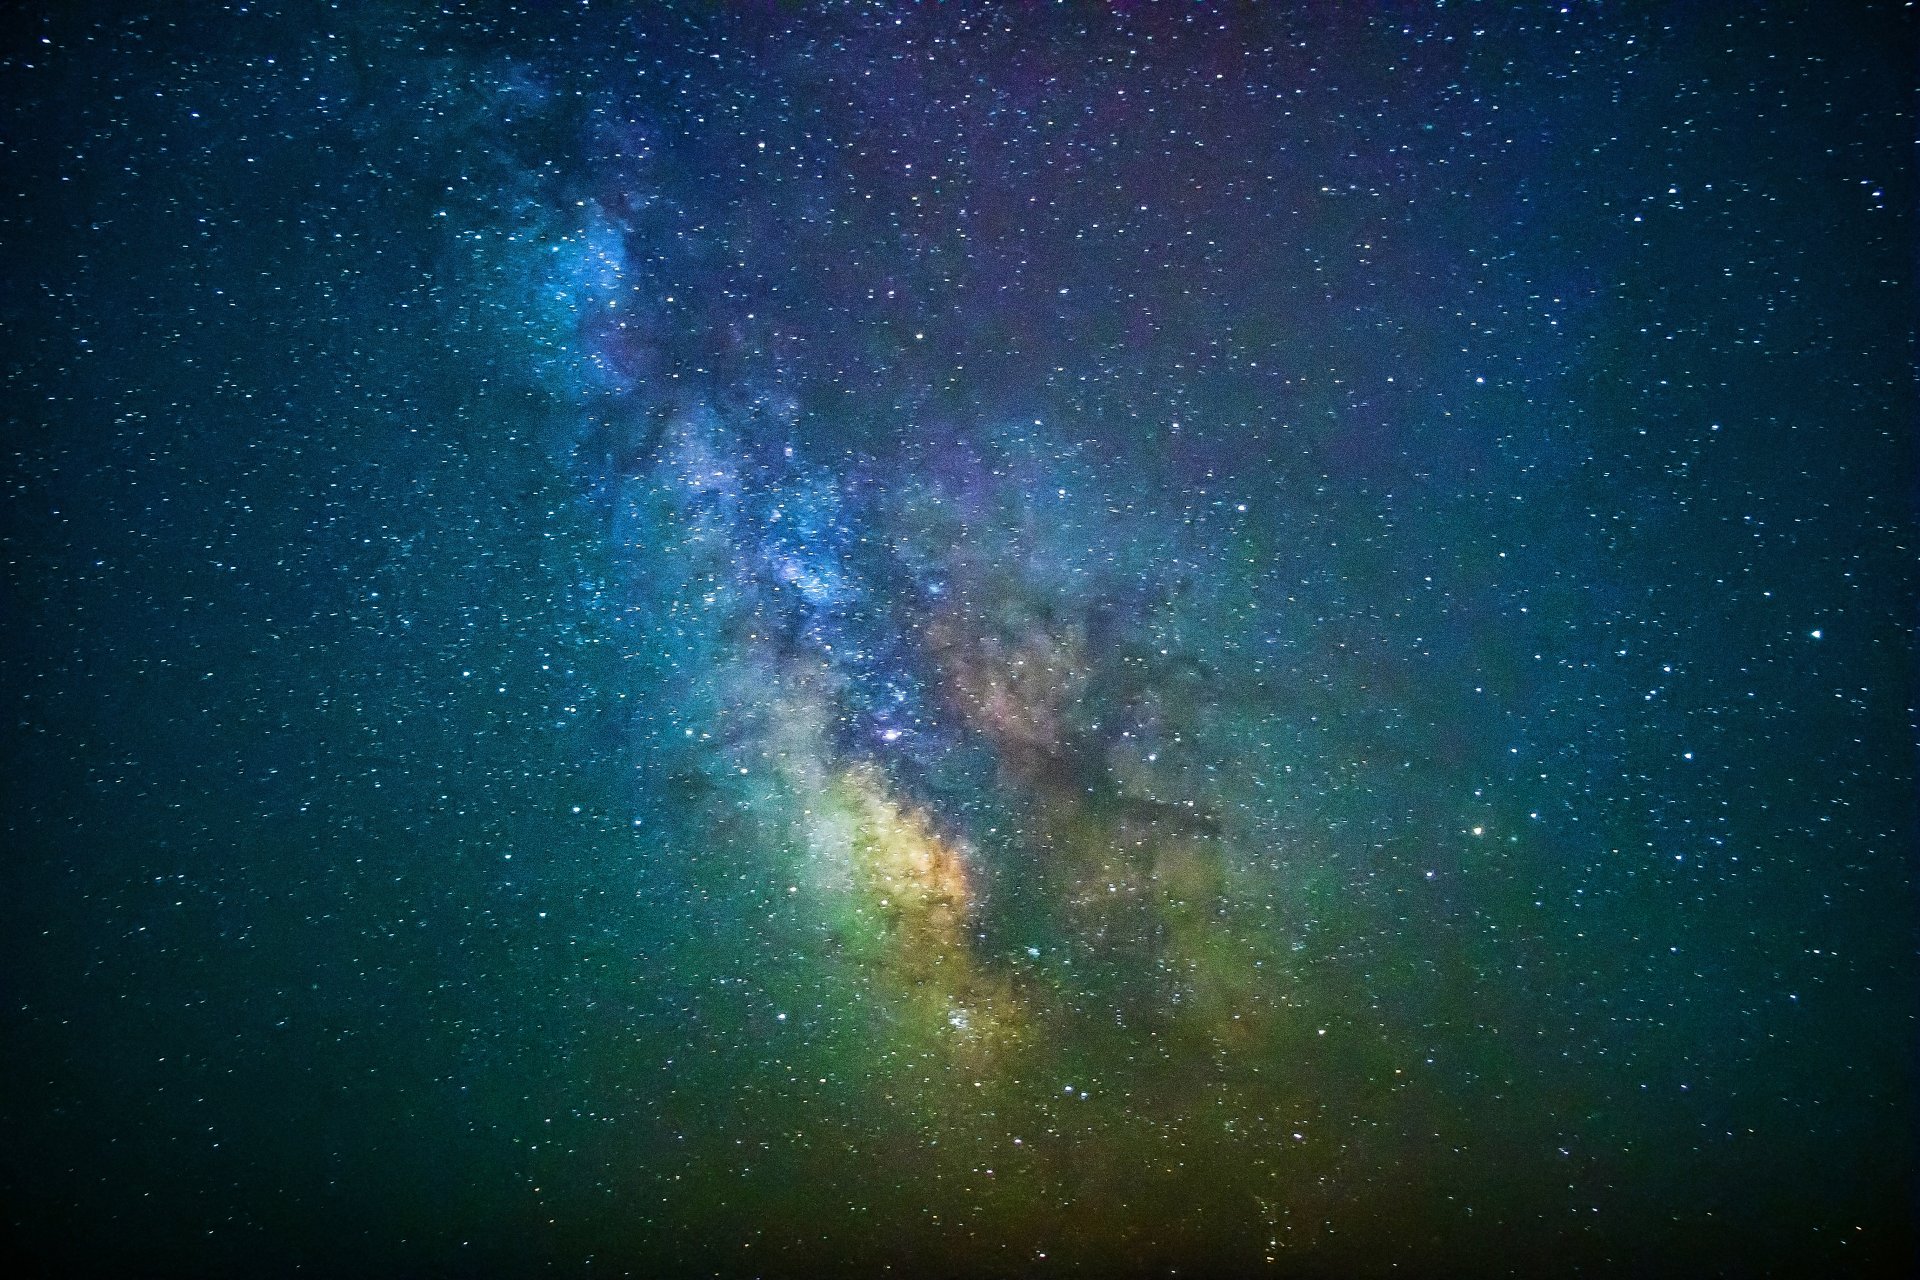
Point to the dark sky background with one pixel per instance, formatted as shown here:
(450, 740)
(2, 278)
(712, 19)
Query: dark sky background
(1000, 639)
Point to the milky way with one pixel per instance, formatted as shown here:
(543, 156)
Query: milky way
(981, 639)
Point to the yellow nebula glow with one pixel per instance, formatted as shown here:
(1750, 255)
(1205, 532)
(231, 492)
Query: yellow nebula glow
(896, 895)
(908, 914)
(911, 878)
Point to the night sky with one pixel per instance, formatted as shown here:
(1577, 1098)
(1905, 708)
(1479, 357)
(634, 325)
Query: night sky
(984, 639)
